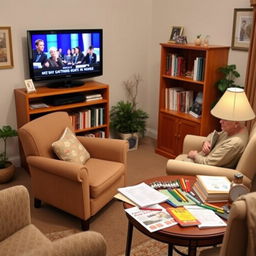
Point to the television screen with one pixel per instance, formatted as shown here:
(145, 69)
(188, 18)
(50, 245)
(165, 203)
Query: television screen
(65, 55)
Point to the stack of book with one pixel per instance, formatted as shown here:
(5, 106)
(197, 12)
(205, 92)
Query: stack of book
(178, 99)
(212, 188)
(96, 96)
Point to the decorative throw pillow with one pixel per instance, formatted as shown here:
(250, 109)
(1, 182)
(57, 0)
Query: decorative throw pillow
(69, 148)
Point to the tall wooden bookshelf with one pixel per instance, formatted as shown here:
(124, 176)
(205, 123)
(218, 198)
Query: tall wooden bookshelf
(43, 94)
(174, 125)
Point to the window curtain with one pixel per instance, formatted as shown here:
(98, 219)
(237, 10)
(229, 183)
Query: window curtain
(250, 81)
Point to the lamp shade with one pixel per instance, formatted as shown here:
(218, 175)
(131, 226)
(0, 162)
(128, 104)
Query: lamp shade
(233, 106)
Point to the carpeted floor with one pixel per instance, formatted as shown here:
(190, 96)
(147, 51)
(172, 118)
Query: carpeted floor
(111, 221)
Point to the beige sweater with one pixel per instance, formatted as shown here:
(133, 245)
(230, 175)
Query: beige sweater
(226, 152)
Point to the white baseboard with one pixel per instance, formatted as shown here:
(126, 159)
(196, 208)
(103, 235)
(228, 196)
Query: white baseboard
(151, 133)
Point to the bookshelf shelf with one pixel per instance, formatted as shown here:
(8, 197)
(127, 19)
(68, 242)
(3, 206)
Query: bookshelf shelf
(174, 121)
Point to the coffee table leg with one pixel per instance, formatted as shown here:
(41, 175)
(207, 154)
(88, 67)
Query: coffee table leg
(170, 249)
(191, 251)
(129, 239)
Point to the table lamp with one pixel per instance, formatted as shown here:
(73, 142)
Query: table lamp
(233, 106)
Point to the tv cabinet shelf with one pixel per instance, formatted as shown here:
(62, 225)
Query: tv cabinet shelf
(25, 113)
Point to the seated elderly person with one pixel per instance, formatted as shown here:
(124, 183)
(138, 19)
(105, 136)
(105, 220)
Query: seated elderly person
(227, 150)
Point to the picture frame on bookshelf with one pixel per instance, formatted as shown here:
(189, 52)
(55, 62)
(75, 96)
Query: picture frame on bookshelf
(242, 28)
(6, 56)
(175, 32)
(30, 87)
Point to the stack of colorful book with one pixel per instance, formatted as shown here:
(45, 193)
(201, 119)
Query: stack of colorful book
(212, 188)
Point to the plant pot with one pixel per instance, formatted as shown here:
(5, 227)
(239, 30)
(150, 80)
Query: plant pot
(7, 173)
(132, 138)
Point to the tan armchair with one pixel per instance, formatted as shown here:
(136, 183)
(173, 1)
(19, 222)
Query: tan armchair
(19, 237)
(246, 164)
(239, 238)
(81, 190)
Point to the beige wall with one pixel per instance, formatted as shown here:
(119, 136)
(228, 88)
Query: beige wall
(132, 32)
(213, 18)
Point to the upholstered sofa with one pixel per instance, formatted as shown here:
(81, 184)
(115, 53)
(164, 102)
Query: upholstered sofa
(79, 189)
(239, 238)
(246, 164)
(18, 237)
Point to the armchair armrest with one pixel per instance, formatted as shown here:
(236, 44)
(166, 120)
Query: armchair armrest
(107, 149)
(88, 243)
(176, 167)
(192, 142)
(14, 210)
(68, 170)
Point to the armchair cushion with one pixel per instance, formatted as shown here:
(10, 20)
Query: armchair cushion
(21, 238)
(68, 148)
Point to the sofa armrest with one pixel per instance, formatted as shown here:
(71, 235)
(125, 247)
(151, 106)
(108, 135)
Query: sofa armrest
(88, 243)
(68, 170)
(107, 149)
(236, 232)
(192, 142)
(176, 167)
(14, 210)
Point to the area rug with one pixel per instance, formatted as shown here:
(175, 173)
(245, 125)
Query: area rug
(60, 234)
(153, 248)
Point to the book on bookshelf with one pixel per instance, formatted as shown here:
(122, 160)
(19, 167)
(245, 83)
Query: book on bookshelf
(152, 220)
(178, 99)
(184, 217)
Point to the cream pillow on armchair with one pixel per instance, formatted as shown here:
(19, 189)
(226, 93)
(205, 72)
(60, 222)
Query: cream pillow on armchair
(69, 148)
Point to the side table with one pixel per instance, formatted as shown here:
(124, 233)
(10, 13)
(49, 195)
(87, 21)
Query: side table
(191, 237)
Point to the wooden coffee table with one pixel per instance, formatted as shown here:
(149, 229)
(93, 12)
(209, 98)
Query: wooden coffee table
(191, 237)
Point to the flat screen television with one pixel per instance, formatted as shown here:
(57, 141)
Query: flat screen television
(64, 56)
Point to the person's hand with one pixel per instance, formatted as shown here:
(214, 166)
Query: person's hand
(206, 148)
(192, 154)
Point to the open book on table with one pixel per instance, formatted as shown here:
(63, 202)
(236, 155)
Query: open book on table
(206, 217)
(152, 220)
(143, 195)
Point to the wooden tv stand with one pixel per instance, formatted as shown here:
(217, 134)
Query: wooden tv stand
(25, 113)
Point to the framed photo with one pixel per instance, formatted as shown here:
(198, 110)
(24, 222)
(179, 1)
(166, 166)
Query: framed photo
(175, 32)
(6, 58)
(242, 29)
(29, 86)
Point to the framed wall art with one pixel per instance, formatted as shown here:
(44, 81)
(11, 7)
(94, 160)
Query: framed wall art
(6, 57)
(242, 29)
(175, 32)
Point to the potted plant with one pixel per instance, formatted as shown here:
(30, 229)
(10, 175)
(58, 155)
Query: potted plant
(6, 167)
(230, 74)
(126, 120)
